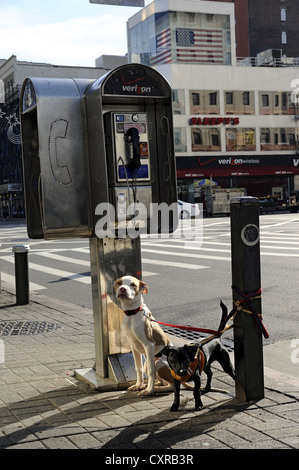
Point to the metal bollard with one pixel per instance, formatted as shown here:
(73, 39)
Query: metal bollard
(246, 277)
(21, 274)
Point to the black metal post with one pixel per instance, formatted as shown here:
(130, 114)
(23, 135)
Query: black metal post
(21, 274)
(246, 278)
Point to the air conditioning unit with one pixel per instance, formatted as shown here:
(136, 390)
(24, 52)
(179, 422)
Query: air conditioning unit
(269, 57)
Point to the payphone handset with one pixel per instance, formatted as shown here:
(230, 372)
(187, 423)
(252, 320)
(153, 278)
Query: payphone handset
(130, 147)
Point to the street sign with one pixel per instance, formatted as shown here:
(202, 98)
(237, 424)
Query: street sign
(124, 3)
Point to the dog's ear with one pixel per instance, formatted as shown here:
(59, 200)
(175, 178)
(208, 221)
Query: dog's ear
(191, 350)
(143, 287)
(117, 283)
(164, 352)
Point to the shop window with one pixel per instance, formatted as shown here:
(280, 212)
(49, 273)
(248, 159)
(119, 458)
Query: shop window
(240, 139)
(278, 139)
(205, 140)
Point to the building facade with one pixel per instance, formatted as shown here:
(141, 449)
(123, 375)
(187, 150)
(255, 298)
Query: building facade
(234, 122)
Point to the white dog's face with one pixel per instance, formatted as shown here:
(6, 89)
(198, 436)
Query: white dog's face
(129, 289)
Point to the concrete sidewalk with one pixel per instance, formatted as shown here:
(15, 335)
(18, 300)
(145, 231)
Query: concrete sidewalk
(43, 406)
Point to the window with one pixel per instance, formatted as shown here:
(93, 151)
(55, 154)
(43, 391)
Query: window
(292, 140)
(240, 139)
(178, 101)
(283, 37)
(195, 99)
(276, 101)
(265, 136)
(283, 14)
(213, 99)
(180, 142)
(283, 136)
(265, 100)
(246, 98)
(215, 139)
(229, 97)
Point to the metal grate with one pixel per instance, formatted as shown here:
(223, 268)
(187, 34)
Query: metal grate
(195, 336)
(18, 328)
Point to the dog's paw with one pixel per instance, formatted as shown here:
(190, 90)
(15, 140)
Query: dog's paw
(198, 407)
(145, 393)
(136, 387)
(174, 407)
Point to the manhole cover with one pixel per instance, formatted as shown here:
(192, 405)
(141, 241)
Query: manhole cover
(16, 328)
(190, 336)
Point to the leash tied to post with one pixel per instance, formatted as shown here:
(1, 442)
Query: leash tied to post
(247, 299)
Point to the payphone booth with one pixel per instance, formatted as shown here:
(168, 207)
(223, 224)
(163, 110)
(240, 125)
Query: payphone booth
(99, 162)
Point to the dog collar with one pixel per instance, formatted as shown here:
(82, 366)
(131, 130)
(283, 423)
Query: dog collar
(132, 312)
(199, 356)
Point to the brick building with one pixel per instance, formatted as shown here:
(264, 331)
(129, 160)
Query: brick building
(263, 25)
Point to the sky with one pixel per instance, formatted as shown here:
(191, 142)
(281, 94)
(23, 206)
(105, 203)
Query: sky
(62, 32)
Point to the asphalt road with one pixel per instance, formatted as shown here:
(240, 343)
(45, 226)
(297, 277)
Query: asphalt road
(185, 284)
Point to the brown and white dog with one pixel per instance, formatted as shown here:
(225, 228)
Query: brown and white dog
(145, 336)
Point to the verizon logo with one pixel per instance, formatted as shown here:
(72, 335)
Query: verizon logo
(137, 89)
(296, 161)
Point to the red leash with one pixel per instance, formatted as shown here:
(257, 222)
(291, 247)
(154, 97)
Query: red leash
(190, 328)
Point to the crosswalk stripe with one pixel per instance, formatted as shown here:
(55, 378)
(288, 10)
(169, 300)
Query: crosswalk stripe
(11, 280)
(283, 255)
(173, 264)
(64, 259)
(55, 272)
(189, 246)
(186, 255)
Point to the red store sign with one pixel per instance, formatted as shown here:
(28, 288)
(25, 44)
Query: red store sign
(214, 121)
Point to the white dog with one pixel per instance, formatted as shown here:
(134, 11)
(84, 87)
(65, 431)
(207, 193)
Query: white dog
(145, 336)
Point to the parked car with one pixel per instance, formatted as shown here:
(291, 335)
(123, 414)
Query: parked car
(187, 210)
(267, 204)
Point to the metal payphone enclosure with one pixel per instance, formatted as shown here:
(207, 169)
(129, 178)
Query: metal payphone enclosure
(54, 158)
(132, 96)
(92, 142)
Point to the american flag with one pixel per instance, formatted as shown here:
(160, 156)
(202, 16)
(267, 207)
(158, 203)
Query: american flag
(163, 48)
(192, 46)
